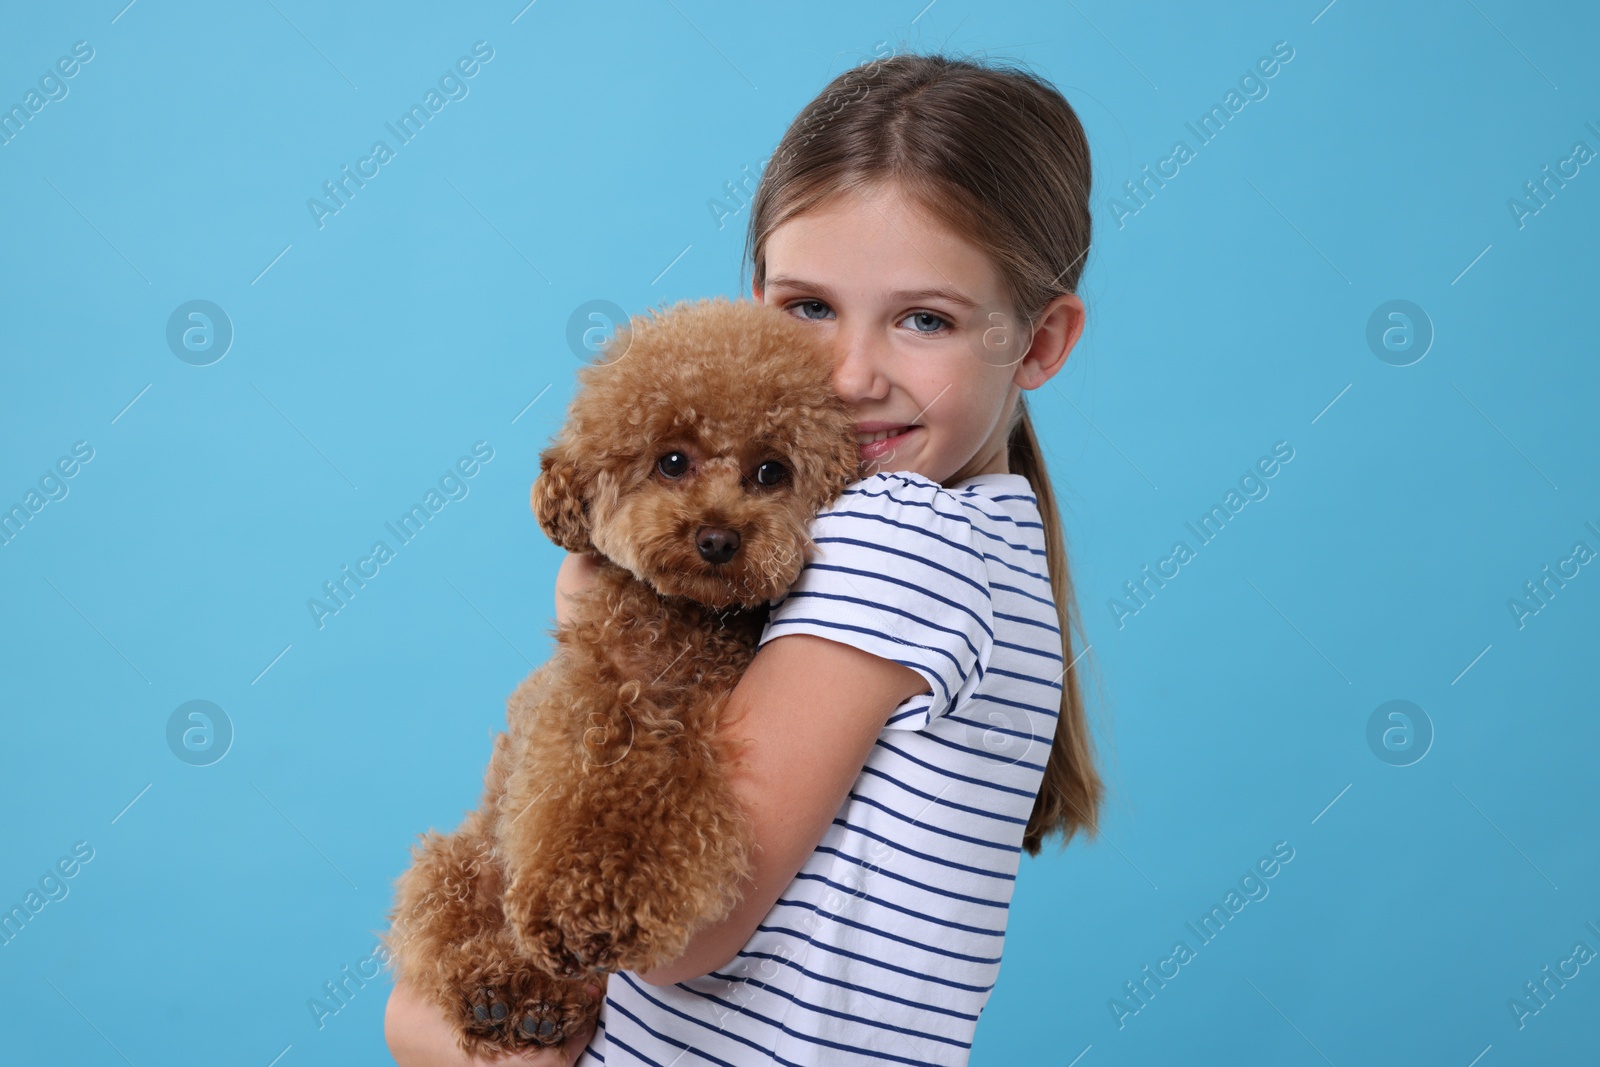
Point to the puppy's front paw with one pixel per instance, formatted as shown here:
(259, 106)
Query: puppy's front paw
(502, 1012)
(588, 927)
(541, 940)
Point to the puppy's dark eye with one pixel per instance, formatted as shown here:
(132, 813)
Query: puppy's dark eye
(771, 473)
(673, 464)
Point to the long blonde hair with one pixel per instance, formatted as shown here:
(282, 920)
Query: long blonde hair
(1000, 156)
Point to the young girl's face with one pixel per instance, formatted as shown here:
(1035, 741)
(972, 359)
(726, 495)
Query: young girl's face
(920, 323)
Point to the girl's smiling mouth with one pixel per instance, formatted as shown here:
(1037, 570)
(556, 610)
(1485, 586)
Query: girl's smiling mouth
(878, 439)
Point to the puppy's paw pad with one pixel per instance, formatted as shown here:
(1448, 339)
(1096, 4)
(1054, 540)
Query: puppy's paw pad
(542, 1026)
(487, 1010)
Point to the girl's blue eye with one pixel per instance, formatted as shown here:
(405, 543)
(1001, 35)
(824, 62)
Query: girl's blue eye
(808, 303)
(926, 315)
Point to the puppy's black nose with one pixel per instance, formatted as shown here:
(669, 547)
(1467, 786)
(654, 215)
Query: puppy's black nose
(716, 545)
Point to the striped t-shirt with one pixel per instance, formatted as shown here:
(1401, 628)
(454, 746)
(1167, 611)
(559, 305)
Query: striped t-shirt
(886, 945)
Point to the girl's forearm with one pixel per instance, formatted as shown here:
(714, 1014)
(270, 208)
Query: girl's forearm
(806, 714)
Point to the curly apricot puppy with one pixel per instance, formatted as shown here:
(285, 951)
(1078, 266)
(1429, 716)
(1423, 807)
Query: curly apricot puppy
(694, 458)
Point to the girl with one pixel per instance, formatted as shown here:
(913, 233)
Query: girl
(913, 718)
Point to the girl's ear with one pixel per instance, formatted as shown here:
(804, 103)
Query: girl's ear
(560, 500)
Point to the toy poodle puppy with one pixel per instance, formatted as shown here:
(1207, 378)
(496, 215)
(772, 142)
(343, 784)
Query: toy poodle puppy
(695, 455)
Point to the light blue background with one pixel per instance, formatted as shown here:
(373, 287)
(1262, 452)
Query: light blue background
(1228, 314)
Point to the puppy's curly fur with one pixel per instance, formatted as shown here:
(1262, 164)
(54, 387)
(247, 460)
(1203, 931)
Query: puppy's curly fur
(694, 458)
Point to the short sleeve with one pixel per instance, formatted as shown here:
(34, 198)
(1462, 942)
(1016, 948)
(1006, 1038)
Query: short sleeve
(898, 572)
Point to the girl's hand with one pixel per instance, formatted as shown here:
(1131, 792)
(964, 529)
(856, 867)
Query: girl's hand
(576, 575)
(419, 1035)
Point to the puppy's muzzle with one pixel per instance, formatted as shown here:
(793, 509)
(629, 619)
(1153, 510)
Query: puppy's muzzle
(715, 544)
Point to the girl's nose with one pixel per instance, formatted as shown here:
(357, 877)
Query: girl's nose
(858, 375)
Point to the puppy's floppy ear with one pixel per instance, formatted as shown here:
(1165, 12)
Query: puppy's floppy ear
(560, 500)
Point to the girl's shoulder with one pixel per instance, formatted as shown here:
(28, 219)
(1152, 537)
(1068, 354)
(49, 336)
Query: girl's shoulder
(910, 484)
(951, 540)
(985, 506)
(900, 509)
(900, 569)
